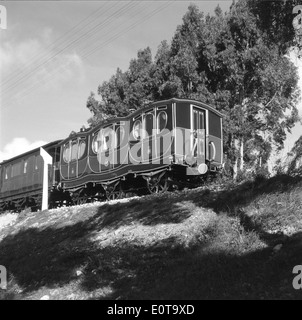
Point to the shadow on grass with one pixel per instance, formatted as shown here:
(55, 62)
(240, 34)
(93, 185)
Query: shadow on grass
(245, 193)
(231, 201)
(199, 275)
(165, 269)
(148, 211)
(50, 256)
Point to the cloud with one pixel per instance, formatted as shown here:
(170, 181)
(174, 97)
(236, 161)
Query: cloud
(18, 146)
(34, 64)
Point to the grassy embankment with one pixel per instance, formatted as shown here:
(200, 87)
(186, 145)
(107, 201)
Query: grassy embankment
(194, 244)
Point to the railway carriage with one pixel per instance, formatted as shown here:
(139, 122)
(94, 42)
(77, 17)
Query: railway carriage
(21, 178)
(166, 143)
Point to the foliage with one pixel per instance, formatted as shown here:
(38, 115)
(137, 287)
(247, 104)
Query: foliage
(295, 164)
(275, 19)
(96, 108)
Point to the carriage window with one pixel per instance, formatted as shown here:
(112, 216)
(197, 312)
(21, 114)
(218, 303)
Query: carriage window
(105, 139)
(16, 169)
(66, 153)
(36, 162)
(108, 139)
(201, 120)
(149, 123)
(120, 135)
(6, 173)
(214, 125)
(95, 143)
(137, 128)
(82, 147)
(161, 121)
(25, 166)
(195, 118)
(74, 149)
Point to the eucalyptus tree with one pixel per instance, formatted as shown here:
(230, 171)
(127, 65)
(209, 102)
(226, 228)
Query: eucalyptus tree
(254, 84)
(233, 60)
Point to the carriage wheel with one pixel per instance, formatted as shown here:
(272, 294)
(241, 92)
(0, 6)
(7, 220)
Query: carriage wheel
(158, 183)
(114, 191)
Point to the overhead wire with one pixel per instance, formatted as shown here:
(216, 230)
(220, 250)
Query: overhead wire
(62, 50)
(60, 67)
(100, 46)
(38, 83)
(57, 42)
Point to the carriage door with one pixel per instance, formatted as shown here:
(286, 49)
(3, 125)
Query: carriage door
(198, 135)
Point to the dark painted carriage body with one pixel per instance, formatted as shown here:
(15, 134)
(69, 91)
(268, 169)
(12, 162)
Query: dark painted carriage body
(21, 178)
(168, 141)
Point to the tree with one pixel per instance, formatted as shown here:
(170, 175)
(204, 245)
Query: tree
(186, 65)
(96, 108)
(166, 84)
(234, 61)
(140, 79)
(274, 19)
(255, 82)
(113, 94)
(131, 89)
(295, 155)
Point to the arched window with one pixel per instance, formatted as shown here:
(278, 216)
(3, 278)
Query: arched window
(82, 147)
(162, 120)
(149, 118)
(108, 139)
(95, 143)
(120, 135)
(74, 150)
(66, 152)
(104, 140)
(137, 129)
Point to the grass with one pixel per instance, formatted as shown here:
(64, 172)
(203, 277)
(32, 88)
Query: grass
(206, 243)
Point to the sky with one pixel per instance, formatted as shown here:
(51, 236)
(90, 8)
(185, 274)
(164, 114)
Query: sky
(54, 53)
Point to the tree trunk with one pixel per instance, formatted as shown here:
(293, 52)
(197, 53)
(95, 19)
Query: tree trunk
(241, 155)
(236, 146)
(235, 169)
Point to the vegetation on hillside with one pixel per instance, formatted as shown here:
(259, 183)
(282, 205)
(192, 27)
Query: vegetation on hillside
(232, 242)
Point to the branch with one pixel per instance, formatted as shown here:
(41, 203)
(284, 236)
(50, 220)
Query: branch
(271, 99)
